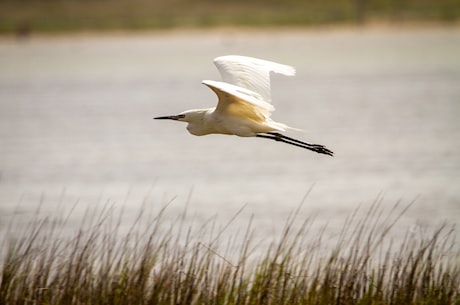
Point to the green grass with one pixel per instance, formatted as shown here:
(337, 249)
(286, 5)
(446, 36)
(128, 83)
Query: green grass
(154, 262)
(99, 15)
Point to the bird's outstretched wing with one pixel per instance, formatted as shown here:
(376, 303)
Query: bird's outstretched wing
(250, 73)
(241, 102)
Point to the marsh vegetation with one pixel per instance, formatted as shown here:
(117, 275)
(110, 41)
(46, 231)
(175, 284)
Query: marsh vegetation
(159, 262)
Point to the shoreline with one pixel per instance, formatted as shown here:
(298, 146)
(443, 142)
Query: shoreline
(238, 30)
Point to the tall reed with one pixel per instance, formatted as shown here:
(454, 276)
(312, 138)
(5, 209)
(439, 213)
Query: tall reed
(157, 262)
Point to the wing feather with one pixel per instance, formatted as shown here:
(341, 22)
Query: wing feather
(238, 101)
(250, 73)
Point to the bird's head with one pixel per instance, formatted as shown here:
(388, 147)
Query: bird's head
(189, 116)
(195, 119)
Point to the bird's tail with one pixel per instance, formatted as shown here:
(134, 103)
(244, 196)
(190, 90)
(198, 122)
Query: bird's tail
(297, 129)
(283, 127)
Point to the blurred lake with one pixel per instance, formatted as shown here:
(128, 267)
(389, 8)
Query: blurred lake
(76, 128)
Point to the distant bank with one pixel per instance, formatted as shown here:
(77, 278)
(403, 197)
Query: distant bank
(23, 18)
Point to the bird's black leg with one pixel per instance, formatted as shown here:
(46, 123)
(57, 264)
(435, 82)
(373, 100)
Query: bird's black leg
(285, 139)
(278, 139)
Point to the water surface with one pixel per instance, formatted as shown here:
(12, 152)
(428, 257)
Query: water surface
(76, 125)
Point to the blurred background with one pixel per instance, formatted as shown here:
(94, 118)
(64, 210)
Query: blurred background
(378, 82)
(25, 16)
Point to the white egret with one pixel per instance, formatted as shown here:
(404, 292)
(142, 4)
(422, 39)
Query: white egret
(244, 105)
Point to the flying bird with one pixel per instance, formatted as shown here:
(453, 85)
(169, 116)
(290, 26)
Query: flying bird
(244, 105)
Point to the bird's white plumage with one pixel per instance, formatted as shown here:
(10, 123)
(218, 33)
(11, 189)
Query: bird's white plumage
(240, 102)
(250, 73)
(244, 105)
(240, 111)
(245, 94)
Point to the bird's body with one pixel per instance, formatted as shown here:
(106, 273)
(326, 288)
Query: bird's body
(240, 112)
(244, 106)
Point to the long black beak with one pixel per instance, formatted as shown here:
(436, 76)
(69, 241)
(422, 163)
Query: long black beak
(170, 117)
